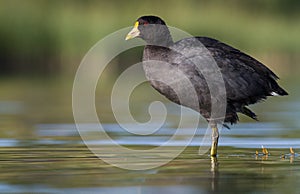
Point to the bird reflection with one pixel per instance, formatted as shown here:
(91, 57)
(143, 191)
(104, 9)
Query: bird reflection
(214, 172)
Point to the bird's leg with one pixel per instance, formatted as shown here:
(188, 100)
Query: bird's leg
(215, 139)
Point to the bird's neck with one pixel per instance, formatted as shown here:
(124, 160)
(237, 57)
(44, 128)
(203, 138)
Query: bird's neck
(166, 41)
(154, 52)
(161, 42)
(160, 37)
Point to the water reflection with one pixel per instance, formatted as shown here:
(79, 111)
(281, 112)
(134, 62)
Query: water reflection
(252, 138)
(214, 173)
(73, 168)
(246, 135)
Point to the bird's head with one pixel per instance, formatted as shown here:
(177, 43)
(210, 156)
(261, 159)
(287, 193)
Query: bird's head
(152, 29)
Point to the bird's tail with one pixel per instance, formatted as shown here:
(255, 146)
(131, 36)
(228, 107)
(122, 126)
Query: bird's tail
(276, 90)
(279, 92)
(249, 113)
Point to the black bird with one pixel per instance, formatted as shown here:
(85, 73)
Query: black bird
(245, 79)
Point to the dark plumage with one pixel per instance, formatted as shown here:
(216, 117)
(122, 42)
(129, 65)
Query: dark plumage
(247, 81)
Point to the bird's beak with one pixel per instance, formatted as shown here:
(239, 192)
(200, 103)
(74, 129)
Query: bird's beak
(134, 32)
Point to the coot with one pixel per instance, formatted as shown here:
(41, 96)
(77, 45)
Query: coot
(246, 80)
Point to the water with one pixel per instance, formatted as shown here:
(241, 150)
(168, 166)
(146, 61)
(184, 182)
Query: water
(42, 152)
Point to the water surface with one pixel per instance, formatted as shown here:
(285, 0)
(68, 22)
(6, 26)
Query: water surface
(42, 152)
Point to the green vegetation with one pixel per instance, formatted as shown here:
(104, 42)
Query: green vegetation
(52, 36)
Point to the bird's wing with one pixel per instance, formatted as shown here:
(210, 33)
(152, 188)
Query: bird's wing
(213, 44)
(246, 79)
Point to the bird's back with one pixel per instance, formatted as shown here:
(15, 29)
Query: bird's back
(246, 80)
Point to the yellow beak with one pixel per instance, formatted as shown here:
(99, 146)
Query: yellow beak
(134, 32)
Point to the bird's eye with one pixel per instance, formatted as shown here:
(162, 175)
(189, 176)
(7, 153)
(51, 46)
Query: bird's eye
(145, 23)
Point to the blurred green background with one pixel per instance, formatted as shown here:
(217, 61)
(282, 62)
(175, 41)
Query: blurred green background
(51, 37)
(42, 43)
